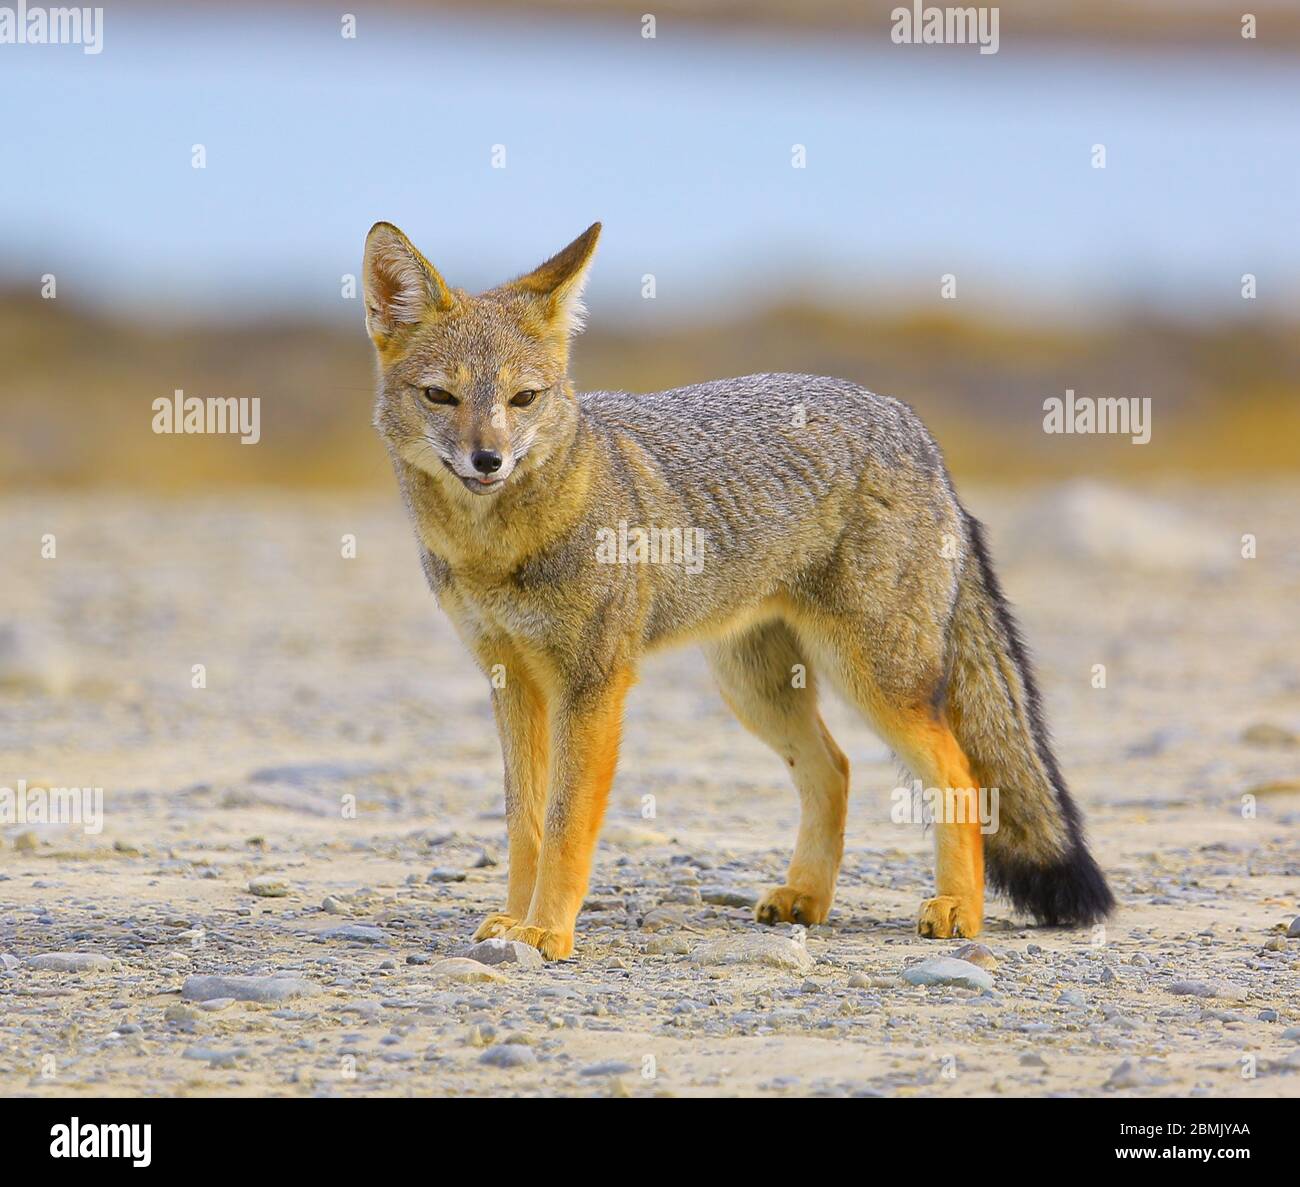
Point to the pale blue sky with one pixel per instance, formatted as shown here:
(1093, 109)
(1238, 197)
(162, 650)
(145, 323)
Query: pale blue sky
(920, 161)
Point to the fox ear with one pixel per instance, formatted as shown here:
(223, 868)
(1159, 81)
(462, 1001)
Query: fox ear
(559, 282)
(400, 286)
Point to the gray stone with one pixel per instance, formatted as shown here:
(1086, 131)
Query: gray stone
(268, 886)
(1130, 1075)
(947, 970)
(609, 1067)
(1293, 932)
(70, 962)
(508, 1055)
(778, 952)
(246, 989)
(356, 931)
(215, 1004)
(1217, 989)
(724, 896)
(214, 1057)
(461, 968)
(500, 951)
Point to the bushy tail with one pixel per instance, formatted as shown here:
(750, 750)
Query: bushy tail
(1037, 856)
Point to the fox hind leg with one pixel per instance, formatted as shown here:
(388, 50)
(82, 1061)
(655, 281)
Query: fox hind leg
(759, 675)
(920, 737)
(897, 682)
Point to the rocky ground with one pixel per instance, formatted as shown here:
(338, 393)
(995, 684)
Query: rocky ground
(294, 855)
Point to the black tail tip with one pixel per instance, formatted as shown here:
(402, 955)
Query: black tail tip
(1069, 893)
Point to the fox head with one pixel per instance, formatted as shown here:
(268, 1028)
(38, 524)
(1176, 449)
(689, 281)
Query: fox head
(473, 389)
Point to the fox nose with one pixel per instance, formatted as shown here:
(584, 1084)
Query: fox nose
(485, 461)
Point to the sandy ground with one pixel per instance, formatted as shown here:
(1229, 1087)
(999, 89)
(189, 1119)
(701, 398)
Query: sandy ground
(343, 746)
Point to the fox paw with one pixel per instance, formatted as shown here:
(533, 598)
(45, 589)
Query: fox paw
(946, 916)
(493, 926)
(785, 904)
(554, 945)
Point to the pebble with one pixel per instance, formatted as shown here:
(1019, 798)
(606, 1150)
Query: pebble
(1218, 989)
(1129, 1075)
(1293, 932)
(70, 962)
(215, 1004)
(508, 1055)
(461, 968)
(1265, 733)
(246, 989)
(946, 970)
(608, 1067)
(723, 896)
(331, 906)
(664, 919)
(502, 951)
(445, 874)
(268, 886)
(977, 954)
(215, 1057)
(667, 946)
(773, 951)
(356, 931)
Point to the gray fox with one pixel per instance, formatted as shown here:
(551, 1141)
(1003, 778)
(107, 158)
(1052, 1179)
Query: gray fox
(828, 546)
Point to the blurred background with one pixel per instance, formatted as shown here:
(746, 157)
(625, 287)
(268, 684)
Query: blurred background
(920, 163)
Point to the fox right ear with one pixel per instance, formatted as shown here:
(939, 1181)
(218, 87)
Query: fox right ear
(400, 286)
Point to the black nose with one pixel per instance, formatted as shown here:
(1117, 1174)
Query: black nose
(485, 461)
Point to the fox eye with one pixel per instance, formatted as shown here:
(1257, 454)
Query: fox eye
(523, 399)
(436, 395)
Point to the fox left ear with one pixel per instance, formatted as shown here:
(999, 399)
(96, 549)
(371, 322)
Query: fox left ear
(559, 282)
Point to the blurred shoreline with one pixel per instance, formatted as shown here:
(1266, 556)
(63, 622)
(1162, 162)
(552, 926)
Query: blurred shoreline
(1225, 397)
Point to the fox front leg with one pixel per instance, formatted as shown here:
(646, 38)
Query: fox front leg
(585, 733)
(520, 710)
